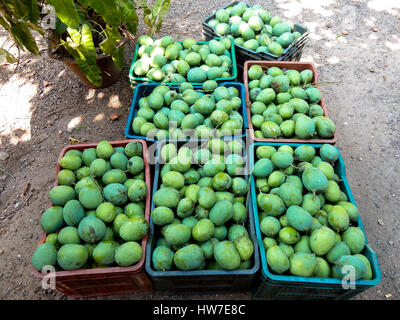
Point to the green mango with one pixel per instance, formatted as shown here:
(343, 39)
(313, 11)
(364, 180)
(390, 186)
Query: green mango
(265, 151)
(68, 235)
(304, 127)
(137, 190)
(262, 168)
(355, 239)
(60, 195)
(116, 193)
(329, 153)
(266, 96)
(314, 95)
(103, 253)
(270, 129)
(288, 235)
(221, 212)
(52, 219)
(203, 230)
(226, 255)
(351, 210)
(290, 194)
(306, 76)
(207, 197)
(128, 254)
(303, 245)
(162, 258)
(269, 242)
(239, 212)
(44, 255)
(323, 269)
(244, 247)
(106, 211)
(299, 218)
(304, 153)
(287, 249)
(91, 229)
(311, 203)
(274, 48)
(71, 162)
(282, 159)
(73, 212)
(299, 105)
(190, 257)
(162, 216)
(104, 150)
(177, 234)
(66, 177)
(325, 127)
(322, 240)
(220, 233)
(98, 167)
(196, 75)
(314, 180)
(315, 110)
(235, 231)
(119, 220)
(280, 28)
(52, 239)
(277, 259)
(255, 72)
(134, 229)
(185, 208)
(88, 156)
(72, 256)
(270, 226)
(369, 274)
(272, 204)
(339, 249)
(343, 263)
(332, 192)
(303, 264)
(338, 218)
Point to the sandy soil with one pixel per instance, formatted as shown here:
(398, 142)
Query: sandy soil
(43, 104)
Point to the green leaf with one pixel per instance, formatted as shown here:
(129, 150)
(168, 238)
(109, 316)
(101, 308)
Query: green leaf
(108, 10)
(129, 15)
(162, 13)
(90, 69)
(87, 42)
(34, 11)
(109, 45)
(5, 24)
(147, 13)
(61, 27)
(18, 8)
(75, 35)
(23, 37)
(66, 11)
(6, 56)
(118, 57)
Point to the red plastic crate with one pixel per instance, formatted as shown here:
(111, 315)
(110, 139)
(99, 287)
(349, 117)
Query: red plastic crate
(299, 66)
(105, 281)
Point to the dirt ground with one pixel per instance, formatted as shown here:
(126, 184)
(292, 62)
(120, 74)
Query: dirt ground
(353, 43)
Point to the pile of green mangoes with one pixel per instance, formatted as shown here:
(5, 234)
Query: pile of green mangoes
(284, 104)
(254, 28)
(200, 209)
(309, 227)
(164, 60)
(97, 215)
(175, 114)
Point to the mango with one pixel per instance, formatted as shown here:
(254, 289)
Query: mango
(88, 156)
(221, 212)
(73, 212)
(338, 218)
(269, 242)
(369, 274)
(177, 234)
(116, 193)
(288, 235)
(351, 210)
(220, 233)
(189, 257)
(60, 195)
(221, 181)
(235, 231)
(52, 219)
(299, 218)
(277, 259)
(66, 177)
(314, 180)
(303, 264)
(103, 253)
(162, 215)
(332, 192)
(72, 256)
(262, 168)
(303, 245)
(71, 162)
(162, 258)
(104, 150)
(239, 212)
(339, 249)
(282, 159)
(128, 253)
(68, 235)
(329, 153)
(44, 255)
(304, 127)
(323, 269)
(91, 229)
(270, 226)
(290, 194)
(311, 203)
(185, 208)
(203, 230)
(207, 197)
(322, 240)
(244, 247)
(272, 205)
(350, 263)
(134, 148)
(226, 255)
(90, 196)
(137, 191)
(354, 238)
(98, 167)
(189, 221)
(134, 229)
(287, 249)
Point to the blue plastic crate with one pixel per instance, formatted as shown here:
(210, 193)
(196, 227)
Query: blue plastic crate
(200, 281)
(144, 89)
(275, 286)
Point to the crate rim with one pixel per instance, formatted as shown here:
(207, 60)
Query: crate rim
(138, 80)
(204, 273)
(133, 111)
(136, 268)
(282, 64)
(290, 279)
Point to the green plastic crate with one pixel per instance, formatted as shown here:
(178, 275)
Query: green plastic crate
(275, 286)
